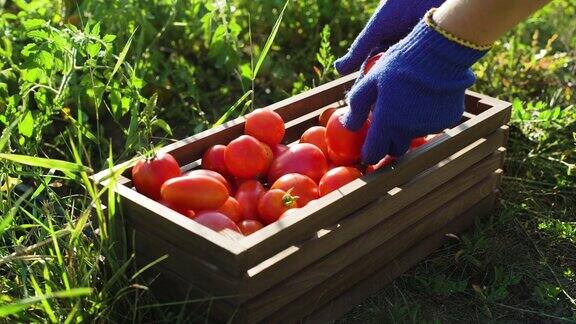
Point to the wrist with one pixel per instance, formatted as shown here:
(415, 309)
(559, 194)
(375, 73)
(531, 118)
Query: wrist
(445, 28)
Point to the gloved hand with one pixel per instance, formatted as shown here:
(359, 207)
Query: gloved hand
(417, 88)
(392, 20)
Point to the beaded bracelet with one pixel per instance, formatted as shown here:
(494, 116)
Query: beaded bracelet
(428, 18)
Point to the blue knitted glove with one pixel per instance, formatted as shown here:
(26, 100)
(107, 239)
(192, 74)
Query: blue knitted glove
(392, 20)
(417, 88)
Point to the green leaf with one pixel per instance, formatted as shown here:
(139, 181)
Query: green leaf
(269, 41)
(93, 49)
(45, 60)
(33, 23)
(26, 126)
(121, 57)
(96, 30)
(38, 35)
(23, 304)
(28, 49)
(246, 71)
(163, 125)
(227, 114)
(45, 163)
(108, 38)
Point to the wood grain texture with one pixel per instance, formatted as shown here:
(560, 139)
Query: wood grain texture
(292, 260)
(314, 279)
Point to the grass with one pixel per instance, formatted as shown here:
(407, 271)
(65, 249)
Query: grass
(81, 90)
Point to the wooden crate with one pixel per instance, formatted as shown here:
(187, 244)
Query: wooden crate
(319, 264)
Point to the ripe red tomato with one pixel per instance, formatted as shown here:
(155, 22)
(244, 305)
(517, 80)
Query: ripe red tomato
(212, 174)
(213, 159)
(344, 146)
(371, 61)
(336, 178)
(418, 141)
(300, 185)
(148, 175)
(325, 115)
(249, 226)
(382, 163)
(301, 158)
(232, 209)
(196, 192)
(316, 135)
(273, 204)
(265, 125)
(216, 221)
(248, 195)
(246, 157)
(186, 212)
(278, 149)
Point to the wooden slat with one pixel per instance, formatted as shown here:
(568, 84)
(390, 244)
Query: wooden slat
(378, 280)
(275, 238)
(295, 258)
(358, 253)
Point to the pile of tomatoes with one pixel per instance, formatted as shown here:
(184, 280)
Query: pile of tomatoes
(256, 180)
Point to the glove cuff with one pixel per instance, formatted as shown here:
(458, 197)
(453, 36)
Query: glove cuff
(429, 20)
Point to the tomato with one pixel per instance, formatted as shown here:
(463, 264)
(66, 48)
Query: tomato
(148, 175)
(186, 212)
(246, 157)
(300, 185)
(249, 226)
(216, 221)
(325, 115)
(278, 149)
(213, 159)
(344, 146)
(248, 195)
(196, 192)
(212, 174)
(274, 203)
(290, 212)
(316, 135)
(371, 61)
(269, 156)
(384, 162)
(301, 158)
(336, 178)
(265, 125)
(232, 209)
(418, 141)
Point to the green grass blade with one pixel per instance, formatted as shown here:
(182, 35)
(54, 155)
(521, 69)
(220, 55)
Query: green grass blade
(149, 265)
(227, 114)
(23, 304)
(6, 135)
(45, 163)
(121, 57)
(269, 41)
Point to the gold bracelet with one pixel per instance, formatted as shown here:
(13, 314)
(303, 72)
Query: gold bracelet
(428, 18)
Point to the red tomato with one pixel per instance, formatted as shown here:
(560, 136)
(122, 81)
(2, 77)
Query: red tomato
(216, 221)
(384, 162)
(265, 125)
(336, 178)
(232, 209)
(418, 141)
(371, 61)
(269, 156)
(148, 175)
(249, 226)
(301, 158)
(186, 212)
(316, 135)
(248, 195)
(325, 115)
(278, 149)
(344, 146)
(212, 174)
(289, 212)
(246, 157)
(213, 159)
(273, 204)
(196, 192)
(300, 185)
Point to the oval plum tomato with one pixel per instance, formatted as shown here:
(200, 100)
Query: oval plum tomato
(382, 163)
(269, 156)
(336, 178)
(300, 185)
(301, 158)
(274, 203)
(248, 195)
(265, 125)
(344, 146)
(186, 212)
(418, 141)
(216, 221)
(148, 175)
(246, 157)
(213, 159)
(212, 174)
(316, 135)
(278, 149)
(232, 209)
(249, 226)
(289, 212)
(196, 192)
(371, 61)
(325, 115)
